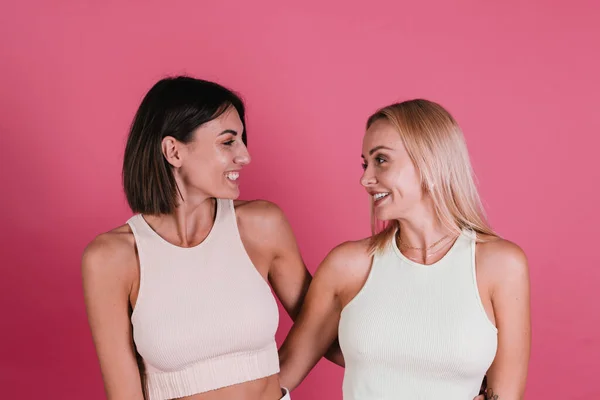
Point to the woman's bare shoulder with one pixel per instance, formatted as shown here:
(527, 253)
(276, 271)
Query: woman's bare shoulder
(112, 254)
(349, 259)
(500, 261)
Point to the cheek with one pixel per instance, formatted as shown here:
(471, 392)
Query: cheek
(415, 186)
(212, 163)
(223, 158)
(401, 181)
(202, 171)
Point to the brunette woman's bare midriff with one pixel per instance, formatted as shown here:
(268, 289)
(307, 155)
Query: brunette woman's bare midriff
(261, 389)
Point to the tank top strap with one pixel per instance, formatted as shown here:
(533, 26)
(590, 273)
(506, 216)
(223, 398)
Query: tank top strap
(226, 213)
(463, 249)
(141, 230)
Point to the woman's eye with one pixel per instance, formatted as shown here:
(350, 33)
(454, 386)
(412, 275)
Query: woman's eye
(229, 142)
(364, 165)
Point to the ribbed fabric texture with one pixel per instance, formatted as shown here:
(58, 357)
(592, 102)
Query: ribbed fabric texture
(204, 318)
(417, 332)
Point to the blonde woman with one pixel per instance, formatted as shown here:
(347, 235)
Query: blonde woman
(433, 302)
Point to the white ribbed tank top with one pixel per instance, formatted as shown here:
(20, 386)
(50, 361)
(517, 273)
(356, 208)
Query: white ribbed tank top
(417, 331)
(205, 318)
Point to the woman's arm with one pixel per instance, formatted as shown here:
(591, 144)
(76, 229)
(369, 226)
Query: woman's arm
(266, 227)
(107, 280)
(318, 322)
(507, 265)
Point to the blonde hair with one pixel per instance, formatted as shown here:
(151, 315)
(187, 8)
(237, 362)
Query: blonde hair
(437, 148)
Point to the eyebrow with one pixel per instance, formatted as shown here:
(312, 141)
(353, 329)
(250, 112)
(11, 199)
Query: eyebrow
(374, 149)
(226, 131)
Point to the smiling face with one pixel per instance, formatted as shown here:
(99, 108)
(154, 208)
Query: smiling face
(210, 164)
(417, 166)
(390, 176)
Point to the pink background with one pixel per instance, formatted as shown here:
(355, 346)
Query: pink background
(521, 77)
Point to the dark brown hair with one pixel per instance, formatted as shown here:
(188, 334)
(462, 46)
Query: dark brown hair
(174, 107)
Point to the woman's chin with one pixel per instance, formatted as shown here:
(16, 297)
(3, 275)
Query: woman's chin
(383, 215)
(229, 193)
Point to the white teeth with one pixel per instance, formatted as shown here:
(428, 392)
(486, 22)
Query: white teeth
(378, 196)
(232, 176)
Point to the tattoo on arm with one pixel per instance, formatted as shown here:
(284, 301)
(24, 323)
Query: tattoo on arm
(489, 394)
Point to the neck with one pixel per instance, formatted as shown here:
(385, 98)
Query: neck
(190, 222)
(422, 229)
(194, 221)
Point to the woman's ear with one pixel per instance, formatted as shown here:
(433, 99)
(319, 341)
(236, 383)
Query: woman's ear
(172, 151)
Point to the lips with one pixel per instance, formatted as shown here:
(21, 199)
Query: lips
(381, 195)
(378, 197)
(232, 176)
